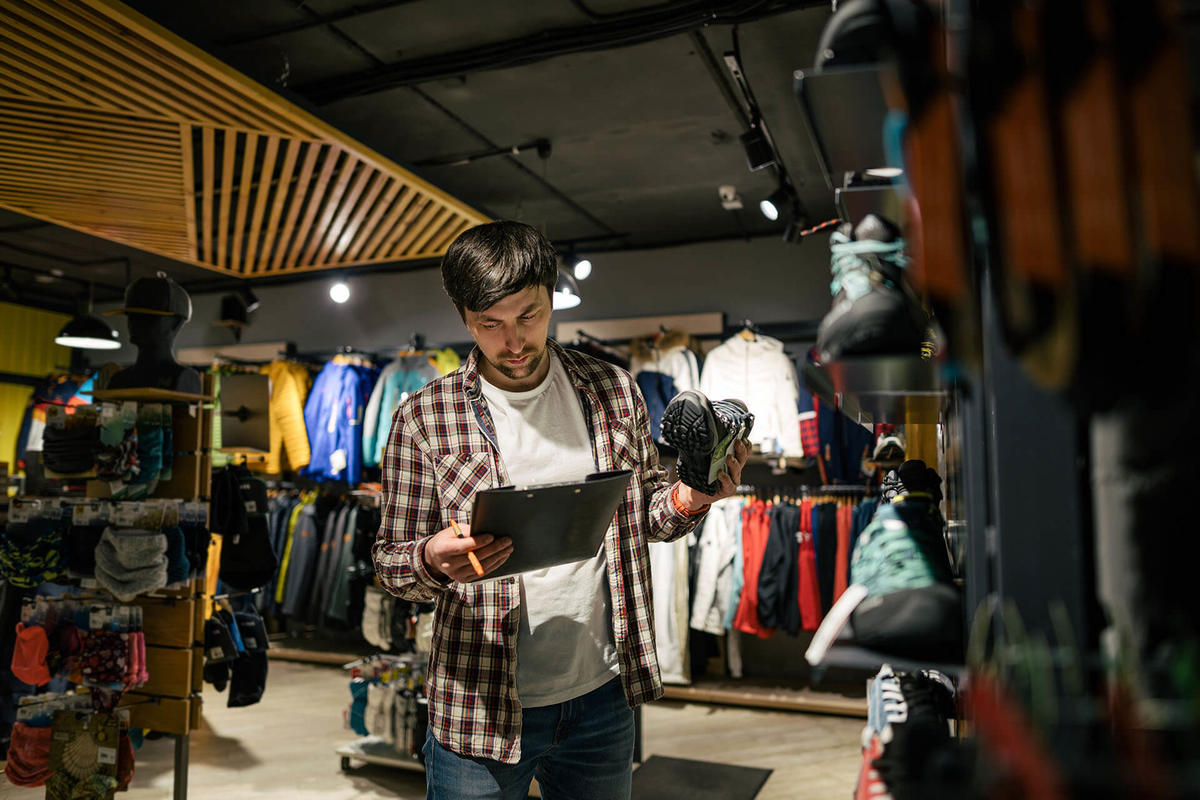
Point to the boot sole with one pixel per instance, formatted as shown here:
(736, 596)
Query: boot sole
(689, 426)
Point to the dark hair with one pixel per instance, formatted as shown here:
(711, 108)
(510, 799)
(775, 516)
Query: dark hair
(489, 262)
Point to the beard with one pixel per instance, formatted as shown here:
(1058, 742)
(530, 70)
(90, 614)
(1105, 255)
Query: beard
(523, 371)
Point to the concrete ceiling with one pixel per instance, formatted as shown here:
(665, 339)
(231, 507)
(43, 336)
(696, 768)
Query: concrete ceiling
(641, 134)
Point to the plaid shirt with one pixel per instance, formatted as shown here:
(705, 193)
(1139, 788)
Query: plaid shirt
(441, 450)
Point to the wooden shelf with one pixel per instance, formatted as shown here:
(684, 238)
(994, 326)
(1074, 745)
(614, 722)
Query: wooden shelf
(152, 396)
(761, 694)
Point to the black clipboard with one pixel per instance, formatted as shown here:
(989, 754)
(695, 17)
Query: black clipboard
(550, 524)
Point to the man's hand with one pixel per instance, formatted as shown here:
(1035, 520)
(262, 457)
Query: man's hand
(446, 553)
(729, 477)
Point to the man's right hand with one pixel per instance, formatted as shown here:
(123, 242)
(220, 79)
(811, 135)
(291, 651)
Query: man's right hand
(446, 553)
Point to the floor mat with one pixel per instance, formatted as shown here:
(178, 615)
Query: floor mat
(661, 778)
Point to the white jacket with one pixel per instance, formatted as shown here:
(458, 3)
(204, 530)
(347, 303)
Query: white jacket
(763, 377)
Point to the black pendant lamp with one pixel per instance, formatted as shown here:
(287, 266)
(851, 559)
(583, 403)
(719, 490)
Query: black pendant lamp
(88, 332)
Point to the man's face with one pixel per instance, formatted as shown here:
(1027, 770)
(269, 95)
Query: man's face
(511, 334)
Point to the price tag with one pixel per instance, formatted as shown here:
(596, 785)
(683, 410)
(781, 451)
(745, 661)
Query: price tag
(106, 755)
(24, 510)
(99, 617)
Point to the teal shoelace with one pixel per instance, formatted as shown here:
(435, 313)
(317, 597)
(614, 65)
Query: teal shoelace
(850, 271)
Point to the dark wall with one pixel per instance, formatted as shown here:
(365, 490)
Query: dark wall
(766, 280)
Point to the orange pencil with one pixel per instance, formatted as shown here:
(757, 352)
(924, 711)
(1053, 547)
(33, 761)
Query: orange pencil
(475, 565)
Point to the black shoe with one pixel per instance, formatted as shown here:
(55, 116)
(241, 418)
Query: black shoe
(874, 312)
(916, 729)
(911, 476)
(702, 431)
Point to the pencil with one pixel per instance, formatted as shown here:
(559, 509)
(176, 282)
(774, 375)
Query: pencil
(475, 565)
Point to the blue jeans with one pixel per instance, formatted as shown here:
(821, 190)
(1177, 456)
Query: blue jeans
(578, 750)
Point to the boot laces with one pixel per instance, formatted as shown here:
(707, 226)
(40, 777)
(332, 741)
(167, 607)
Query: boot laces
(851, 272)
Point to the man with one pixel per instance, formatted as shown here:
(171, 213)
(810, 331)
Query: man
(535, 674)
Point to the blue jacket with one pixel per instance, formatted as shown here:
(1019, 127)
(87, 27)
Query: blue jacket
(333, 416)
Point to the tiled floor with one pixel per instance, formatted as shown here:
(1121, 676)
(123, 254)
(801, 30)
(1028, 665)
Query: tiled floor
(283, 748)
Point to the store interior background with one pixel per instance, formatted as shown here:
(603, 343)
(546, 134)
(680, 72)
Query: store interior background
(641, 136)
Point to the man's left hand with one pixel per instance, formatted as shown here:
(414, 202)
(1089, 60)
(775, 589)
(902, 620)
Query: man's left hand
(729, 478)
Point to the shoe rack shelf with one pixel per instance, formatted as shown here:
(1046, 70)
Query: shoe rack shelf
(894, 389)
(852, 656)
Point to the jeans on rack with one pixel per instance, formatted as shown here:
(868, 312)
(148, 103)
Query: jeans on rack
(581, 749)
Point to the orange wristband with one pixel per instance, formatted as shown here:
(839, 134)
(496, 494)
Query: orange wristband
(683, 509)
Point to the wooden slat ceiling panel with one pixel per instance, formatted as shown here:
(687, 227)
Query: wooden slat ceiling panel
(112, 125)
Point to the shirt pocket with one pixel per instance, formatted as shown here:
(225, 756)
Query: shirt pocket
(624, 444)
(459, 476)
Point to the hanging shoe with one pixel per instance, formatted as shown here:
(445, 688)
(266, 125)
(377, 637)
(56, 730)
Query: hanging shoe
(702, 431)
(874, 312)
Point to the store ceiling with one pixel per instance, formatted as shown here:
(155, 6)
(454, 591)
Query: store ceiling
(635, 100)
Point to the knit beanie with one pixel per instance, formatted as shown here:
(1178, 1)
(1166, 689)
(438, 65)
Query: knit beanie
(29, 655)
(28, 756)
(130, 562)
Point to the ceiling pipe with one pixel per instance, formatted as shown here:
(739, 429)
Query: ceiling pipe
(645, 25)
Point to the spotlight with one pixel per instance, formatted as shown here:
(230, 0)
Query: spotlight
(233, 311)
(339, 292)
(576, 266)
(758, 150)
(248, 298)
(566, 292)
(774, 203)
(796, 228)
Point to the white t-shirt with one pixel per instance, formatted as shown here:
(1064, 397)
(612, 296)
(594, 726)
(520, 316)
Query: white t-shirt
(565, 644)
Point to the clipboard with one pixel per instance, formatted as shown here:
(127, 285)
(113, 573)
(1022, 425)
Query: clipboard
(550, 524)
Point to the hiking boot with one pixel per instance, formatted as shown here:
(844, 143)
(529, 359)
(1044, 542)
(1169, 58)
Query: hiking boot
(703, 431)
(874, 312)
(902, 548)
(912, 476)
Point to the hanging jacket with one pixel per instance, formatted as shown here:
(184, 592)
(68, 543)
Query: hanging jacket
(762, 376)
(399, 379)
(778, 578)
(289, 438)
(663, 368)
(717, 544)
(333, 416)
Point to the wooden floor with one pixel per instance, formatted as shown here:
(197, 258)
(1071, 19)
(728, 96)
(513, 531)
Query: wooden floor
(283, 747)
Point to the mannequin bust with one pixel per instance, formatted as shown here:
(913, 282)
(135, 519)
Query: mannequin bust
(157, 308)
(156, 367)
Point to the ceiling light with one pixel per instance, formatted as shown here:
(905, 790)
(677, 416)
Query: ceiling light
(248, 298)
(583, 268)
(339, 292)
(566, 291)
(772, 206)
(88, 332)
(884, 172)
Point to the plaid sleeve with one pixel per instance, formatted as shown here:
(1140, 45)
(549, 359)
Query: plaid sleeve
(409, 515)
(666, 524)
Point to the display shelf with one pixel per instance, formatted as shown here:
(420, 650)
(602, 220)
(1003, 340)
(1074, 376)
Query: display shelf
(151, 395)
(895, 389)
(844, 654)
(759, 693)
(373, 750)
